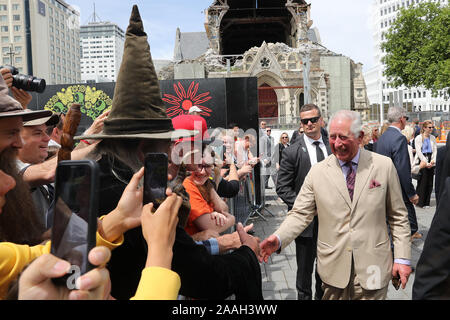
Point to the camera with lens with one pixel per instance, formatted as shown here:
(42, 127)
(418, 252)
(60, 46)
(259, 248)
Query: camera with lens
(26, 82)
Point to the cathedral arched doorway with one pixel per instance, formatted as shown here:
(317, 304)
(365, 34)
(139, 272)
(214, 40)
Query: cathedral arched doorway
(301, 101)
(268, 102)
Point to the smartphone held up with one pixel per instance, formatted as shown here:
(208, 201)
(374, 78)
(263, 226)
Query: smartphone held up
(75, 216)
(155, 178)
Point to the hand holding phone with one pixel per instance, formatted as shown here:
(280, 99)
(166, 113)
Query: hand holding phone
(159, 231)
(75, 216)
(35, 282)
(127, 214)
(155, 178)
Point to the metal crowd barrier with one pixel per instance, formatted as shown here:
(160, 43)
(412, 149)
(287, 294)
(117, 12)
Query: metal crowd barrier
(244, 205)
(240, 205)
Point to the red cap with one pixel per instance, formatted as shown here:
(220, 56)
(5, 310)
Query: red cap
(191, 122)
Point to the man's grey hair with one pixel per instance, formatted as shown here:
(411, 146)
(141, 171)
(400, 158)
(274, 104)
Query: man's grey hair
(355, 118)
(395, 114)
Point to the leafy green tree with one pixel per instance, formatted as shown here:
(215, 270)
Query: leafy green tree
(417, 48)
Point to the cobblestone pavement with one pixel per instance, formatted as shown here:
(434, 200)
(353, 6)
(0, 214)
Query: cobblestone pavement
(279, 274)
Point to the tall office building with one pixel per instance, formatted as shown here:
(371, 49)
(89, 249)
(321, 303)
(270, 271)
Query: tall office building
(41, 38)
(384, 13)
(102, 46)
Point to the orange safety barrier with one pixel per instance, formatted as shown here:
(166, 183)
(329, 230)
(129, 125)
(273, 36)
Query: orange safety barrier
(445, 128)
(443, 138)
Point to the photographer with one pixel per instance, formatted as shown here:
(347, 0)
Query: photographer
(19, 94)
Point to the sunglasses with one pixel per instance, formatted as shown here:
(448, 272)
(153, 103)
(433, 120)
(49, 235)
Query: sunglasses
(406, 118)
(269, 130)
(313, 120)
(285, 137)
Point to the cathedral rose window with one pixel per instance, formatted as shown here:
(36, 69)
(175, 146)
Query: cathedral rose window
(265, 62)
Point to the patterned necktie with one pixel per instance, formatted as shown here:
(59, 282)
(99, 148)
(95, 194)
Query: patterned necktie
(351, 177)
(319, 152)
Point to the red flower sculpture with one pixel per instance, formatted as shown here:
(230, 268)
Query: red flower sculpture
(186, 99)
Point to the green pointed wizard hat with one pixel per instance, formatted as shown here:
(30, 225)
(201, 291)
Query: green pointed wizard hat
(138, 111)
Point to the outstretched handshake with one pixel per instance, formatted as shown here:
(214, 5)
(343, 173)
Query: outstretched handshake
(268, 247)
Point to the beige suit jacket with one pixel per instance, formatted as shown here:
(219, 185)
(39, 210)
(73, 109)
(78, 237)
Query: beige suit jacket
(352, 229)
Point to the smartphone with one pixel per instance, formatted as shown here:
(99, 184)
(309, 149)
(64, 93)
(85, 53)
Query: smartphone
(155, 178)
(226, 165)
(75, 216)
(396, 282)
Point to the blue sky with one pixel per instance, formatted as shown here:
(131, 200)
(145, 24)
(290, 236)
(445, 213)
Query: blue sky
(344, 25)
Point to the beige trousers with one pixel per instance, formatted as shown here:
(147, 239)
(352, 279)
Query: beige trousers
(353, 291)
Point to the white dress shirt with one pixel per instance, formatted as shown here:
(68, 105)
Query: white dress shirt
(312, 149)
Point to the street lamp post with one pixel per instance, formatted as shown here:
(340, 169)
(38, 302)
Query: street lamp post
(381, 97)
(11, 53)
(306, 83)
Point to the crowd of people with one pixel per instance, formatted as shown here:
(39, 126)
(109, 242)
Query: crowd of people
(348, 189)
(151, 251)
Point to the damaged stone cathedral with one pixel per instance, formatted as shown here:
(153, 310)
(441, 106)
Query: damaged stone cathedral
(273, 41)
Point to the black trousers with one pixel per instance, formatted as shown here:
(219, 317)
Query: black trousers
(425, 186)
(412, 216)
(306, 252)
(266, 180)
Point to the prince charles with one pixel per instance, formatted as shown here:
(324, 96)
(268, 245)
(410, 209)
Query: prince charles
(353, 192)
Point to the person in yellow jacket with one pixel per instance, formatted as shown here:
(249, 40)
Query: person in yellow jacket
(14, 258)
(157, 282)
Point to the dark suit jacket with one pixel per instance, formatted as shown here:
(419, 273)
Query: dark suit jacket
(394, 145)
(278, 153)
(324, 133)
(442, 167)
(369, 147)
(295, 136)
(432, 280)
(294, 168)
(440, 157)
